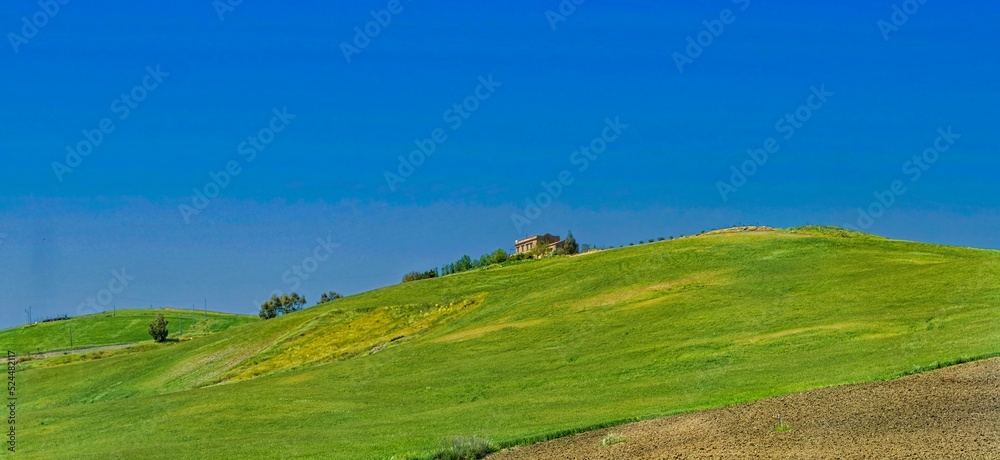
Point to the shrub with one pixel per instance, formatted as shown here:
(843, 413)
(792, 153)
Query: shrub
(465, 448)
(782, 428)
(612, 439)
(158, 328)
(516, 257)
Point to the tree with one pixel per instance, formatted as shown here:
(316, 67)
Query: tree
(541, 250)
(570, 245)
(277, 306)
(414, 276)
(464, 264)
(158, 328)
(292, 303)
(269, 309)
(499, 256)
(329, 297)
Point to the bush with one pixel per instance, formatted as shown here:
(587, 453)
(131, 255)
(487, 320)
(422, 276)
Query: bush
(467, 448)
(517, 257)
(158, 328)
(612, 439)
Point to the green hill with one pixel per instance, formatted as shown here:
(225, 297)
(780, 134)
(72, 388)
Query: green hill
(530, 351)
(113, 328)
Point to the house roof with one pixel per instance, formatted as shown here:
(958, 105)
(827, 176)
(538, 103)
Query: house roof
(535, 237)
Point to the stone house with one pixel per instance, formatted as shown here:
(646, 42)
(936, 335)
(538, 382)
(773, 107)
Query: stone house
(529, 244)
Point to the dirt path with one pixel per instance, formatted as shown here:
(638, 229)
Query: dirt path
(49, 354)
(947, 413)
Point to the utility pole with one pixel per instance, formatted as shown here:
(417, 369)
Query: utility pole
(116, 310)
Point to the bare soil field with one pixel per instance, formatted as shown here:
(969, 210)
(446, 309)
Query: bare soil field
(947, 413)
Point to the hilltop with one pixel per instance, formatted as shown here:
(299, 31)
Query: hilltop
(532, 351)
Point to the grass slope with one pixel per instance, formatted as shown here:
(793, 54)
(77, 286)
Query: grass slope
(125, 326)
(530, 351)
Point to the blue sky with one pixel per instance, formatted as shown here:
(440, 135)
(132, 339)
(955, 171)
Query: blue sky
(890, 90)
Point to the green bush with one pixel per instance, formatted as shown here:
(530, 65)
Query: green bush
(158, 328)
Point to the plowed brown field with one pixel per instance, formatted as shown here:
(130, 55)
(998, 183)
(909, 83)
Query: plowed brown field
(946, 413)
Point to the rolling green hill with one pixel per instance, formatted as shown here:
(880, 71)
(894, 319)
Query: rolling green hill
(114, 328)
(530, 351)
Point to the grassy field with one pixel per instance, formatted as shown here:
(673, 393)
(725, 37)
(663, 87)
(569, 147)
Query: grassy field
(530, 351)
(124, 326)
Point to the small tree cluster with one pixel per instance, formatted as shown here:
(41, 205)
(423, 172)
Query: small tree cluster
(277, 306)
(158, 328)
(414, 276)
(329, 297)
(466, 263)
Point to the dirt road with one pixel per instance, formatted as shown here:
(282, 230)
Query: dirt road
(49, 354)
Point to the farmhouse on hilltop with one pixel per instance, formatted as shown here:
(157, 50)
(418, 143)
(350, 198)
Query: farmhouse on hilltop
(529, 244)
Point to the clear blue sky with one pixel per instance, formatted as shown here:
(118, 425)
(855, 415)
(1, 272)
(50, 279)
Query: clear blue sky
(323, 176)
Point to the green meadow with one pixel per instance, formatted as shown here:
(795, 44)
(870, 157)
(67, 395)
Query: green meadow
(525, 352)
(114, 328)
